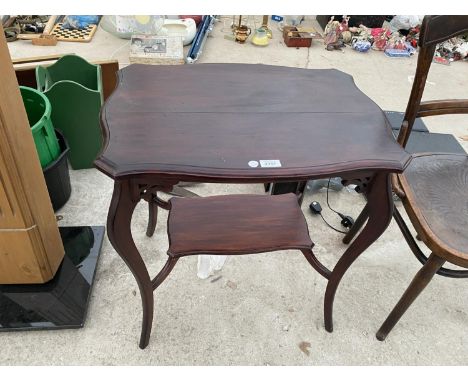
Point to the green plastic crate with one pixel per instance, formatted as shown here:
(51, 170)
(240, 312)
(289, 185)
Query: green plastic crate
(38, 109)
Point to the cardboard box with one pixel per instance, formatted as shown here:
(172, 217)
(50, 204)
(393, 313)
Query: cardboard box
(156, 50)
(294, 37)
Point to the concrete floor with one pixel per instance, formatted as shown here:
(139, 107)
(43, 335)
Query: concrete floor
(263, 306)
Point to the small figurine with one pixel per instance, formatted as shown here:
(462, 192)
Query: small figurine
(361, 39)
(333, 38)
(347, 36)
(380, 38)
(397, 46)
(413, 36)
(396, 42)
(361, 45)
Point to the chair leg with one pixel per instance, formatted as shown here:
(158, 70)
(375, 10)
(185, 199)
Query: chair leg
(362, 218)
(420, 281)
(152, 217)
(316, 264)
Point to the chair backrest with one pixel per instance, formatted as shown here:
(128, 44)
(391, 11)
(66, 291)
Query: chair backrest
(434, 29)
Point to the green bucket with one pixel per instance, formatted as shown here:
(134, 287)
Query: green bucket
(38, 110)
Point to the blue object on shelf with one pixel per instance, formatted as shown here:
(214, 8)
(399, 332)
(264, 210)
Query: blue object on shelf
(277, 18)
(397, 53)
(204, 28)
(80, 21)
(361, 46)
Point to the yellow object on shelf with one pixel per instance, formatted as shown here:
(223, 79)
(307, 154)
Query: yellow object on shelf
(260, 38)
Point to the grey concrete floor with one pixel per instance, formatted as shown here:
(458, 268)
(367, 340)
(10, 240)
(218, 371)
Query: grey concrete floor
(264, 305)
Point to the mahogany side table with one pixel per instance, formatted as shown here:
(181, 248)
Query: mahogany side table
(241, 123)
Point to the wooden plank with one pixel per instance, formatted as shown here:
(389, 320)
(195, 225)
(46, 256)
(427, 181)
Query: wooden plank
(46, 39)
(20, 266)
(27, 36)
(51, 57)
(24, 191)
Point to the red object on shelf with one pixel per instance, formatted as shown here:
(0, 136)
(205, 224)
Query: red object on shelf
(196, 18)
(293, 38)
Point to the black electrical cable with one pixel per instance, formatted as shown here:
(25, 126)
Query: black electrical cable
(346, 221)
(328, 203)
(333, 228)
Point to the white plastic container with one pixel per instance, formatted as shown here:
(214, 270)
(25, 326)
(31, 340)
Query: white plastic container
(209, 264)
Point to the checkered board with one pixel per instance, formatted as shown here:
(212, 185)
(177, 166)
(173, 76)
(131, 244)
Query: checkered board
(74, 35)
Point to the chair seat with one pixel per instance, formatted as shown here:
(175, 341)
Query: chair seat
(436, 188)
(236, 224)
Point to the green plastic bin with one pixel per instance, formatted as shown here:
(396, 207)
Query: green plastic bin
(74, 89)
(38, 109)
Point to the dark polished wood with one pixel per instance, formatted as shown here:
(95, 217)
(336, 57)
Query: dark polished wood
(434, 187)
(440, 107)
(435, 29)
(380, 209)
(447, 272)
(152, 217)
(124, 201)
(420, 281)
(362, 218)
(236, 224)
(205, 123)
(239, 225)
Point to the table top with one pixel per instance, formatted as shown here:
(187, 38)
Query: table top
(243, 123)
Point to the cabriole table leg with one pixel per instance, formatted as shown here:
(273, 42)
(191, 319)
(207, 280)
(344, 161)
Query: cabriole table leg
(119, 218)
(379, 209)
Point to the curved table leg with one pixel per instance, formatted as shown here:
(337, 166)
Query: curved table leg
(362, 218)
(152, 217)
(380, 208)
(121, 209)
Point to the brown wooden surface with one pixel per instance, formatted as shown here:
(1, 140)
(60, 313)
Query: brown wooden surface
(236, 224)
(436, 189)
(30, 245)
(436, 184)
(27, 60)
(164, 125)
(419, 282)
(208, 121)
(440, 28)
(439, 107)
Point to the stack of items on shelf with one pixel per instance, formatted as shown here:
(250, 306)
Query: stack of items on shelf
(47, 30)
(398, 39)
(362, 39)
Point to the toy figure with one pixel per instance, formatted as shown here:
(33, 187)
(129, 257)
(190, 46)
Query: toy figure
(333, 38)
(380, 38)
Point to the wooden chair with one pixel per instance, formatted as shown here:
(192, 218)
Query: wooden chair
(434, 187)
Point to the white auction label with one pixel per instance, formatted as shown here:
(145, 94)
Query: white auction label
(253, 163)
(270, 163)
